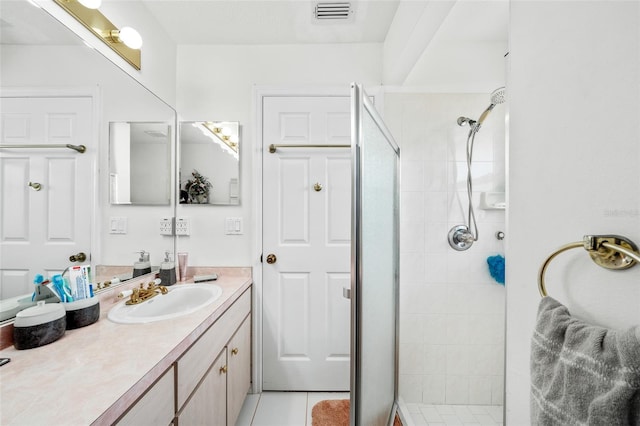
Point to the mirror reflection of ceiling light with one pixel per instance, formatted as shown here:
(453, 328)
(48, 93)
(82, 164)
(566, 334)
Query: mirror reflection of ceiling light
(125, 41)
(224, 134)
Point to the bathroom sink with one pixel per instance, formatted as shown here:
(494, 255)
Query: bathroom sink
(181, 300)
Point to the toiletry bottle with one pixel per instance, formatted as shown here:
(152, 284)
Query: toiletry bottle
(167, 271)
(143, 265)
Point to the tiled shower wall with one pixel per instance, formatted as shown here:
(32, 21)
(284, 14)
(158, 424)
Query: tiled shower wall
(451, 309)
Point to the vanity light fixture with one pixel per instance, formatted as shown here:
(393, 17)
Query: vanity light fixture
(126, 35)
(114, 37)
(91, 4)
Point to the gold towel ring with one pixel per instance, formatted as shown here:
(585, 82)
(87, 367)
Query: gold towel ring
(609, 251)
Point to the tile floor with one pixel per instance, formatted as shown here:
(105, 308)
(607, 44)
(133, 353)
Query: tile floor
(450, 415)
(282, 408)
(294, 409)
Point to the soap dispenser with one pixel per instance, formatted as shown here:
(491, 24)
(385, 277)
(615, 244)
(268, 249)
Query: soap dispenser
(167, 271)
(143, 265)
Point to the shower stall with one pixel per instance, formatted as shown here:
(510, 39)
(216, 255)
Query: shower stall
(374, 265)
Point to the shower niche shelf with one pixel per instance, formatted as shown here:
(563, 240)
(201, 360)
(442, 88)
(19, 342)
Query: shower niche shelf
(492, 201)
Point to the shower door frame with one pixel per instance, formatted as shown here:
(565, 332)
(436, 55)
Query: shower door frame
(361, 104)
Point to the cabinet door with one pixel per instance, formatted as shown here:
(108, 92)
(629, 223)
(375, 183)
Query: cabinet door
(156, 407)
(207, 405)
(239, 378)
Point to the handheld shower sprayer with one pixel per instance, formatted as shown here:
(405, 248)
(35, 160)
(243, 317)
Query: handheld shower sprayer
(497, 97)
(461, 237)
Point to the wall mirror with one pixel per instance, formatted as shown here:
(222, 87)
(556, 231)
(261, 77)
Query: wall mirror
(42, 59)
(139, 163)
(209, 162)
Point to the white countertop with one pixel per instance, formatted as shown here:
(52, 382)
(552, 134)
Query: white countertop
(94, 373)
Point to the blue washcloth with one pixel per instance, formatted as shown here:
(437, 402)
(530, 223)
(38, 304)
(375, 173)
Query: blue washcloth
(496, 268)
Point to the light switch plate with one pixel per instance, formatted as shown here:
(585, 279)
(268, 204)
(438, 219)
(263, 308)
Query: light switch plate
(117, 225)
(233, 226)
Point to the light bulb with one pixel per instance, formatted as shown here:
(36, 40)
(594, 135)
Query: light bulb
(130, 37)
(90, 4)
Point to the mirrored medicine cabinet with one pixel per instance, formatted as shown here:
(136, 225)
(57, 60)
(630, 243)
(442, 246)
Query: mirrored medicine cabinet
(209, 172)
(140, 163)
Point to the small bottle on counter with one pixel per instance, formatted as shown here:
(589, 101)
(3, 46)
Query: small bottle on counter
(167, 271)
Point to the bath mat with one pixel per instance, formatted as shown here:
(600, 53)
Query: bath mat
(335, 412)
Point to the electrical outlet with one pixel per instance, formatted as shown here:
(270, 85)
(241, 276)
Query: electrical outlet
(182, 226)
(166, 226)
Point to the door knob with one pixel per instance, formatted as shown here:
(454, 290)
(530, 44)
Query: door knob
(80, 257)
(271, 259)
(35, 186)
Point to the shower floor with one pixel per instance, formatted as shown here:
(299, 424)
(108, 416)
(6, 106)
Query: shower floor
(432, 415)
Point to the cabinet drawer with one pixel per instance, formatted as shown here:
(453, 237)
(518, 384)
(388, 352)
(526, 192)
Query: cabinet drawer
(196, 361)
(156, 407)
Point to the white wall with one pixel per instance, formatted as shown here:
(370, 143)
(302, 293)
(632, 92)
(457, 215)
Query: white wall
(574, 155)
(216, 83)
(451, 310)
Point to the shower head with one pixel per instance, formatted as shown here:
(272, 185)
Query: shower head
(463, 120)
(498, 96)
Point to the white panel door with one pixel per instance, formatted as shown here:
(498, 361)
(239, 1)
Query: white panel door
(40, 229)
(306, 319)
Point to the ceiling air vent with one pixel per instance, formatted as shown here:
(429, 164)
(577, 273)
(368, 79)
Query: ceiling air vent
(333, 10)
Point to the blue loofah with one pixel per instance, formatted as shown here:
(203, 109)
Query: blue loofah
(496, 268)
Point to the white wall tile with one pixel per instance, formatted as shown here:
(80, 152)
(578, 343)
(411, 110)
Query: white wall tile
(435, 268)
(435, 297)
(435, 206)
(458, 362)
(435, 329)
(480, 390)
(411, 328)
(410, 387)
(435, 237)
(457, 329)
(434, 389)
(435, 359)
(457, 389)
(412, 206)
(412, 267)
(411, 236)
(411, 358)
(412, 175)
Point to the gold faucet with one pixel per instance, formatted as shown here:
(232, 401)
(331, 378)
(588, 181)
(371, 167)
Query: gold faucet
(141, 294)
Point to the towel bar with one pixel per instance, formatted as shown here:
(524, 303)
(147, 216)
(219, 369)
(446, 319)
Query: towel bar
(609, 251)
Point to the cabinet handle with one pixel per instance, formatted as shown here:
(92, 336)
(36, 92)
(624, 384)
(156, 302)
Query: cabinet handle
(234, 351)
(223, 369)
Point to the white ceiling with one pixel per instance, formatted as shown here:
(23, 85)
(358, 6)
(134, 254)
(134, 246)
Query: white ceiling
(269, 21)
(292, 21)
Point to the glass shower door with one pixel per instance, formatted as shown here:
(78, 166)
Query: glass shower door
(374, 263)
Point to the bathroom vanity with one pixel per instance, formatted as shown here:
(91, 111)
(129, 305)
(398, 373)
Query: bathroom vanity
(192, 369)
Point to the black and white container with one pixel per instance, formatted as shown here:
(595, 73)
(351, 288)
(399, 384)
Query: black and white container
(39, 325)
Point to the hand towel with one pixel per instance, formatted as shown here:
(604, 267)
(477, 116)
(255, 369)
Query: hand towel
(582, 374)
